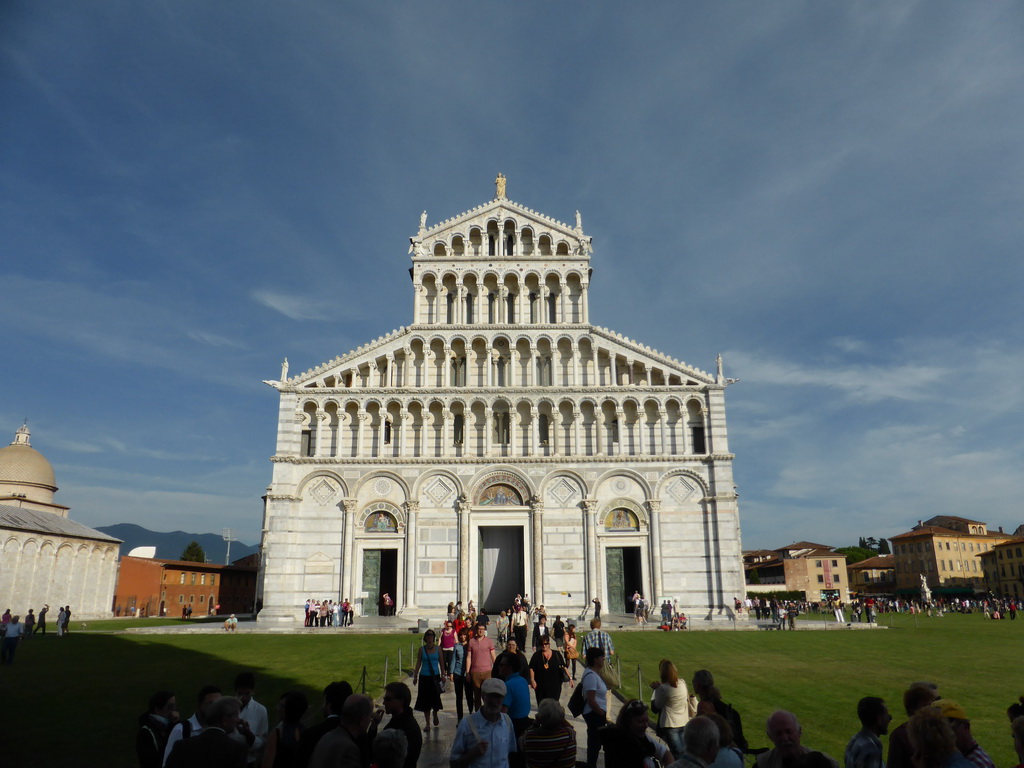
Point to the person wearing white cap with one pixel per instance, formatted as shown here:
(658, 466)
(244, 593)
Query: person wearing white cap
(485, 738)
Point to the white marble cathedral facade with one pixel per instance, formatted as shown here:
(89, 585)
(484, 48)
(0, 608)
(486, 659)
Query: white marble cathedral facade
(501, 444)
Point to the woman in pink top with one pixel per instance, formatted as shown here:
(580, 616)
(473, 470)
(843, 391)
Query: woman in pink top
(448, 639)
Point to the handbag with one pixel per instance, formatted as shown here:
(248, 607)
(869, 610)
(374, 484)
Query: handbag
(576, 701)
(610, 676)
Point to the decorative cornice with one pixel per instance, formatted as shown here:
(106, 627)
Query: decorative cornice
(399, 461)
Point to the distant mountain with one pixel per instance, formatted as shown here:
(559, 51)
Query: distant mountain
(169, 546)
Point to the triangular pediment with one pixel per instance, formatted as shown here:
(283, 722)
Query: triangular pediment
(499, 209)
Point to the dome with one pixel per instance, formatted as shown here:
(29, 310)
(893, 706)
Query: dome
(21, 464)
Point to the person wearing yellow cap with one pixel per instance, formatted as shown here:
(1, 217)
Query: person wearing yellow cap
(961, 724)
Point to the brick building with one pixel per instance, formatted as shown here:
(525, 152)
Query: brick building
(166, 587)
(817, 570)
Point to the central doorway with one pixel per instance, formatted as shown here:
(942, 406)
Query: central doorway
(624, 574)
(501, 566)
(380, 575)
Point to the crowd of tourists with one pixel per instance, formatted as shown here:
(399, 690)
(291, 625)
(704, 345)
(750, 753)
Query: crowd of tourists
(328, 613)
(14, 629)
(868, 609)
(495, 730)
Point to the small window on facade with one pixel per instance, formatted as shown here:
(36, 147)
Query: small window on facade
(202, 598)
(543, 429)
(181, 599)
(459, 428)
(182, 577)
(835, 563)
(490, 245)
(821, 579)
(835, 577)
(213, 579)
(193, 578)
(387, 433)
(306, 448)
(817, 563)
(202, 579)
(191, 598)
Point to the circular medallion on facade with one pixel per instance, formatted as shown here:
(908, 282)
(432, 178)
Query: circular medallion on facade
(621, 485)
(382, 487)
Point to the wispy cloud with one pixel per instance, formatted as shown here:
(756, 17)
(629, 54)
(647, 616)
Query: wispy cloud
(293, 306)
(214, 339)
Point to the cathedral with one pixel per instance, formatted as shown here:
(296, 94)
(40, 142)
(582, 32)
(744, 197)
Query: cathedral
(500, 444)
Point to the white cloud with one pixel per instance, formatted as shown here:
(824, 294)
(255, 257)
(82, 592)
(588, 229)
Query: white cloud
(293, 306)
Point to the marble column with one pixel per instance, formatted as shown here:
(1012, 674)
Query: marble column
(412, 510)
(318, 439)
(561, 302)
(537, 529)
(584, 303)
(662, 419)
(462, 509)
(654, 506)
(590, 526)
(574, 350)
(348, 588)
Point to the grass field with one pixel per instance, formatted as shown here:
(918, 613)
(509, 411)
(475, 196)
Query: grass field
(76, 699)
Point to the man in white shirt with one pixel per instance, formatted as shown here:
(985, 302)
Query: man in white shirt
(254, 725)
(485, 738)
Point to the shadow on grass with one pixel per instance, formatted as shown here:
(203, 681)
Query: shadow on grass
(77, 699)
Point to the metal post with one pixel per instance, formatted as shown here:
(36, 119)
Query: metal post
(400, 667)
(639, 683)
(386, 660)
(362, 681)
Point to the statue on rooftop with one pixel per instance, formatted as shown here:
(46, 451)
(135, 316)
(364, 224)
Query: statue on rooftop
(499, 186)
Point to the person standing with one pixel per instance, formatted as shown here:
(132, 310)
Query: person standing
(213, 748)
(547, 672)
(15, 630)
(597, 607)
(595, 702)
(674, 706)
(540, 632)
(459, 674)
(284, 744)
(195, 725)
(481, 660)
(62, 622)
(41, 623)
(341, 747)
(449, 637)
(30, 622)
(154, 726)
(397, 703)
(427, 677)
(572, 653)
(486, 738)
(865, 748)
(519, 621)
(254, 724)
(551, 743)
(558, 632)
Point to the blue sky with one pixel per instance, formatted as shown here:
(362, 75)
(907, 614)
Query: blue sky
(829, 194)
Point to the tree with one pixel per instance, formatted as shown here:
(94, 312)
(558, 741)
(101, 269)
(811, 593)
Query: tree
(194, 553)
(883, 547)
(855, 554)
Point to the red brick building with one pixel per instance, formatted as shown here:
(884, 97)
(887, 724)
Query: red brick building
(167, 587)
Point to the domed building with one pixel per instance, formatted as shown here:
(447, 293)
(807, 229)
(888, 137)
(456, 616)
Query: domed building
(45, 557)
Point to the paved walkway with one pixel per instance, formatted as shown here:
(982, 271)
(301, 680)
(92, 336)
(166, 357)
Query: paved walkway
(437, 746)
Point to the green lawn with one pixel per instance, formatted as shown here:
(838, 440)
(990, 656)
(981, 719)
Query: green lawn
(94, 684)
